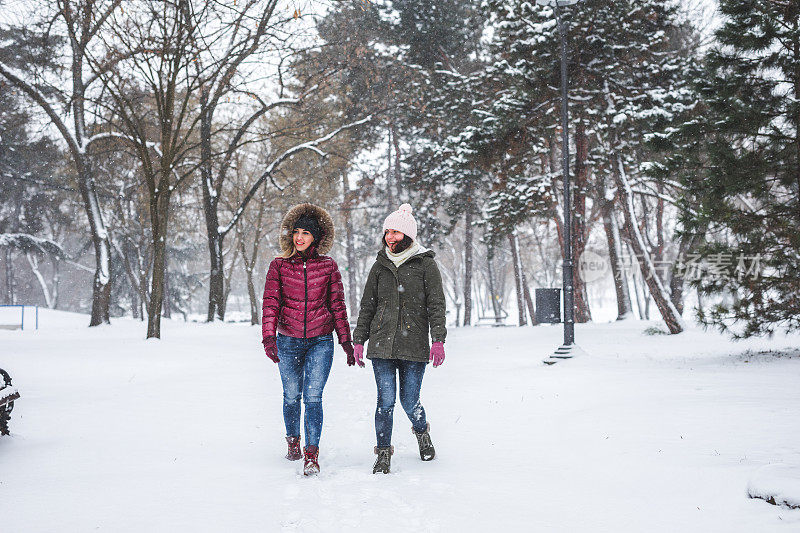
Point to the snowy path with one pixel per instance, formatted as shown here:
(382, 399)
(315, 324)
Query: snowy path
(114, 433)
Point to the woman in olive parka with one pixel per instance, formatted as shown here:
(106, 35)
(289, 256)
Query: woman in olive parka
(403, 299)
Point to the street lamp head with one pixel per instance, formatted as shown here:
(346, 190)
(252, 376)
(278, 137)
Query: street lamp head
(560, 3)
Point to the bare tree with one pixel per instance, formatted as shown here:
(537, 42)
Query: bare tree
(218, 65)
(621, 289)
(151, 99)
(81, 22)
(669, 313)
(518, 275)
(348, 201)
(468, 249)
(451, 263)
(230, 35)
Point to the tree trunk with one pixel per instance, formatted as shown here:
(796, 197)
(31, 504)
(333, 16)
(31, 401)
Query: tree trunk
(255, 314)
(232, 267)
(579, 226)
(352, 288)
(676, 282)
(136, 276)
(668, 312)
(498, 318)
(528, 300)
(101, 297)
(390, 204)
(468, 261)
(75, 140)
(658, 254)
(136, 303)
(249, 266)
(216, 279)
(640, 289)
(167, 292)
(33, 261)
(641, 296)
(159, 214)
(9, 278)
(676, 292)
(624, 307)
(56, 281)
(101, 288)
(512, 239)
(700, 300)
(397, 177)
(156, 290)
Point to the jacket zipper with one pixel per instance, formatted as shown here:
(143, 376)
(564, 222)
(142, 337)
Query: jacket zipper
(402, 317)
(305, 312)
(399, 302)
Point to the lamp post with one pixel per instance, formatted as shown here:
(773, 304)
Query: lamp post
(568, 349)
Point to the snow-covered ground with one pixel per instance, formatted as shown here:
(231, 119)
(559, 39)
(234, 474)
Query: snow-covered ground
(645, 433)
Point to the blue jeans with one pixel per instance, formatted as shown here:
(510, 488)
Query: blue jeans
(304, 365)
(411, 373)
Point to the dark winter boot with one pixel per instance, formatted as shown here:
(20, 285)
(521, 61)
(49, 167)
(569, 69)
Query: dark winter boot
(310, 457)
(294, 452)
(426, 451)
(384, 461)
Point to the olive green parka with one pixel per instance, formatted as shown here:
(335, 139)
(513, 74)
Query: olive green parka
(399, 307)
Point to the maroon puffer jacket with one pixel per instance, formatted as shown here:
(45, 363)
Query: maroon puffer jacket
(304, 298)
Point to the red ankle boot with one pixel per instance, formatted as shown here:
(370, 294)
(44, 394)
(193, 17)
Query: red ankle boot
(294, 448)
(310, 457)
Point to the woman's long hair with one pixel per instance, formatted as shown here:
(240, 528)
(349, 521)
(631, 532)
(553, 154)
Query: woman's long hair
(402, 246)
(294, 251)
(289, 253)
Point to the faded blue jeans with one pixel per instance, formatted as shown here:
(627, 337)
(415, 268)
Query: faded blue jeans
(304, 366)
(410, 373)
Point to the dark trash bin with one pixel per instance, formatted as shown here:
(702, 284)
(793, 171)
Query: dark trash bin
(548, 306)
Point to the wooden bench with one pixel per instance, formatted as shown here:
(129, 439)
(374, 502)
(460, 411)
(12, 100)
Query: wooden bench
(7, 396)
(486, 319)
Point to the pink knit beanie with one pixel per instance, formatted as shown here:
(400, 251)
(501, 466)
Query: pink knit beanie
(402, 221)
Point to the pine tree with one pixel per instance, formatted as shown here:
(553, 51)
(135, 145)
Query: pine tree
(622, 57)
(407, 61)
(739, 160)
(32, 203)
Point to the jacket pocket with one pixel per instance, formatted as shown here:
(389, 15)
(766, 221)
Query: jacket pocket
(418, 323)
(377, 321)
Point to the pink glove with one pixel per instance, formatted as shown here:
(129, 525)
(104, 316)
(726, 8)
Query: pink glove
(358, 353)
(271, 348)
(437, 353)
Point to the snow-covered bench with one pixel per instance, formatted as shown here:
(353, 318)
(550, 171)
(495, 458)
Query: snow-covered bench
(7, 396)
(778, 484)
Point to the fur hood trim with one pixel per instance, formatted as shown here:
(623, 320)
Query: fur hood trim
(325, 223)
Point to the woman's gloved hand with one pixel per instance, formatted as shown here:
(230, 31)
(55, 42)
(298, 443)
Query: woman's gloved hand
(271, 348)
(348, 349)
(358, 354)
(437, 353)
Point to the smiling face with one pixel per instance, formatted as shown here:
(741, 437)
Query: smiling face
(302, 239)
(393, 238)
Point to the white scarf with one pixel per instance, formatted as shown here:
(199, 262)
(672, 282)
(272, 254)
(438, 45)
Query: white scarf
(405, 255)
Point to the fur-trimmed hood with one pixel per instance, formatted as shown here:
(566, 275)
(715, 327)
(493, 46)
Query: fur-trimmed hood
(325, 223)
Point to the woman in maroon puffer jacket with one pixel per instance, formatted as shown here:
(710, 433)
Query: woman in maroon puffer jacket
(303, 305)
